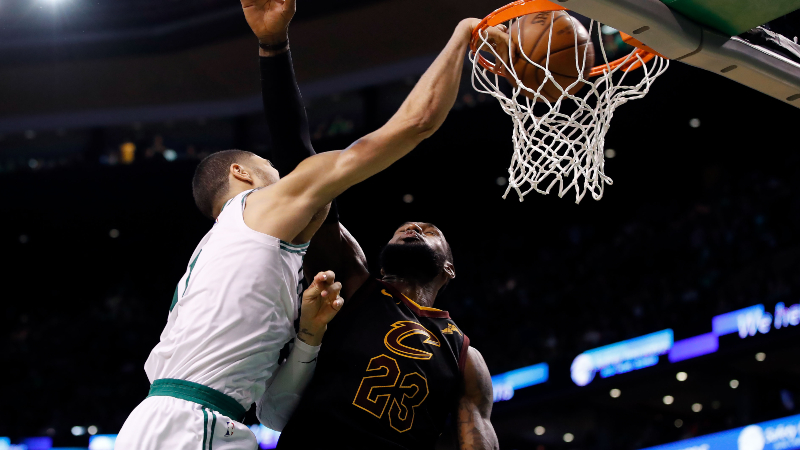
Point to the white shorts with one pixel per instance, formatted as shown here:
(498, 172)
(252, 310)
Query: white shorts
(168, 423)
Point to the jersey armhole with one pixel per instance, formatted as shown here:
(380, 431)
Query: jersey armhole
(462, 356)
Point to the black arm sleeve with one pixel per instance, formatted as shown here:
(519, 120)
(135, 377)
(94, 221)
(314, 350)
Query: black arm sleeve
(286, 117)
(285, 113)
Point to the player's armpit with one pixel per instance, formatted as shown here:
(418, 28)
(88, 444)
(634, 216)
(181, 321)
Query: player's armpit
(334, 248)
(475, 430)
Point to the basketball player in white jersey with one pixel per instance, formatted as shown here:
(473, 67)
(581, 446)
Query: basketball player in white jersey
(234, 308)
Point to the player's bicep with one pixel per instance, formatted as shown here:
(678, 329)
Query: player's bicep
(475, 429)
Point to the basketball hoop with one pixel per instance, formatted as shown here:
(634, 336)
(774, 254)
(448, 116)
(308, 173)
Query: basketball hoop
(564, 144)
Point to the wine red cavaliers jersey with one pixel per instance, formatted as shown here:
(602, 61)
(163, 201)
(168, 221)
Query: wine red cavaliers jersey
(388, 374)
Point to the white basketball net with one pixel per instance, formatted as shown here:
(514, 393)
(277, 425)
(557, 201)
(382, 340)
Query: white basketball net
(564, 145)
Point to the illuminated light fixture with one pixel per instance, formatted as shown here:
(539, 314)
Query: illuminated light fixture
(681, 376)
(694, 123)
(610, 153)
(506, 383)
(78, 431)
(568, 437)
(501, 181)
(668, 399)
(621, 357)
(102, 442)
(267, 438)
(770, 435)
(91, 429)
(697, 407)
(693, 347)
(678, 423)
(114, 233)
(760, 356)
(170, 154)
(615, 393)
(539, 430)
(408, 198)
(734, 384)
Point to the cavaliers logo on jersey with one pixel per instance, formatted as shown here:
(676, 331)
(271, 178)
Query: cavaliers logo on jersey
(404, 329)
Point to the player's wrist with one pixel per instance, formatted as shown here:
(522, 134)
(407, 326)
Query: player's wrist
(311, 335)
(466, 26)
(273, 48)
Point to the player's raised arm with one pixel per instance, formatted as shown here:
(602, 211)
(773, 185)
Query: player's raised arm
(475, 430)
(332, 246)
(288, 206)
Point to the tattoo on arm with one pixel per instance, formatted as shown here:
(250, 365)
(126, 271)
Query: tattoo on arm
(475, 429)
(305, 332)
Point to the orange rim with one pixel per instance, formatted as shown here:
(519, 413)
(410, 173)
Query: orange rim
(642, 55)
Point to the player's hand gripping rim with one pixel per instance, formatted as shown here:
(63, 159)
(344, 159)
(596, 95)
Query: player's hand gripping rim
(321, 302)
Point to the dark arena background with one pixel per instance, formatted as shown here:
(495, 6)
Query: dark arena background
(686, 274)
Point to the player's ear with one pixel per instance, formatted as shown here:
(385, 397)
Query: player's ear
(449, 270)
(241, 173)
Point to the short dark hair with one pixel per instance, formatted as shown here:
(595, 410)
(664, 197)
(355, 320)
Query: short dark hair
(211, 178)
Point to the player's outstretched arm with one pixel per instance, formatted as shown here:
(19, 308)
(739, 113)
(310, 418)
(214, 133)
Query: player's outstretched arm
(321, 302)
(475, 430)
(288, 205)
(332, 247)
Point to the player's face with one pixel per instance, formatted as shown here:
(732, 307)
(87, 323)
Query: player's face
(415, 233)
(265, 173)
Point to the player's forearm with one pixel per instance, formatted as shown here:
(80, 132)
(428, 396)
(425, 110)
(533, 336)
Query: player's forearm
(285, 113)
(283, 394)
(475, 433)
(435, 93)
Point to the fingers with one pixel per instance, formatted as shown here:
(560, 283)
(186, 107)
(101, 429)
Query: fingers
(329, 310)
(323, 284)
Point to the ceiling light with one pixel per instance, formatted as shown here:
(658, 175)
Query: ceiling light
(681, 376)
(539, 430)
(668, 399)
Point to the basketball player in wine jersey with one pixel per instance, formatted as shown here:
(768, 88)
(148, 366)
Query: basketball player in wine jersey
(234, 309)
(393, 366)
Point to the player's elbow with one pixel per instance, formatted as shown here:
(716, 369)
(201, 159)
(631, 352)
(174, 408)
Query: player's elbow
(422, 122)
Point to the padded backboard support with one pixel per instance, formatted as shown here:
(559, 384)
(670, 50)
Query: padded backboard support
(679, 38)
(733, 17)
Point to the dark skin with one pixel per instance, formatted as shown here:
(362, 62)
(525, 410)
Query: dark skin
(334, 248)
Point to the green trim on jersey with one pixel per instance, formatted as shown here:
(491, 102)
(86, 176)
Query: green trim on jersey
(225, 205)
(295, 246)
(174, 299)
(205, 428)
(191, 268)
(197, 393)
(213, 425)
(292, 248)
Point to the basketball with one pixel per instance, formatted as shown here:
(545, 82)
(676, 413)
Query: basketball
(534, 32)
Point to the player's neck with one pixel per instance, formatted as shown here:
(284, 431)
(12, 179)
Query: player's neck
(422, 294)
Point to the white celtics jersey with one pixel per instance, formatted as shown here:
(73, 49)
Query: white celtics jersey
(233, 310)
